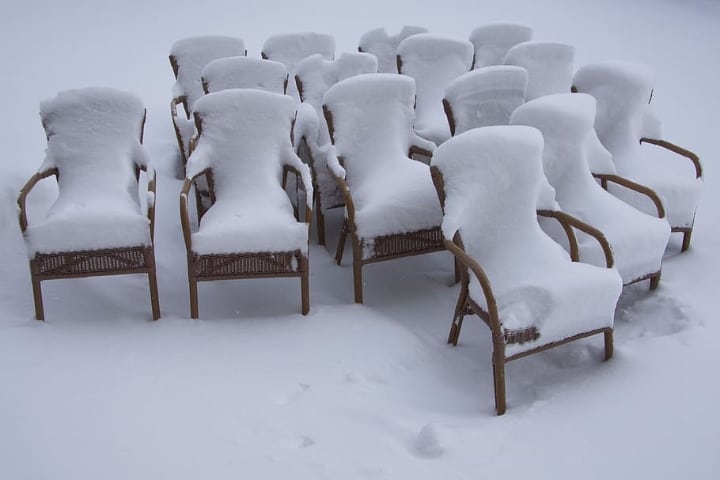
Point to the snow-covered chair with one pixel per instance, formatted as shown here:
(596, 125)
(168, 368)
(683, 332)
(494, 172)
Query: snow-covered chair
(626, 126)
(96, 226)
(484, 97)
(549, 65)
(637, 240)
(515, 277)
(243, 147)
(384, 46)
(244, 72)
(493, 41)
(391, 208)
(314, 76)
(433, 61)
(188, 56)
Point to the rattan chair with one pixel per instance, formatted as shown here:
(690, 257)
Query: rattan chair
(550, 66)
(391, 207)
(313, 78)
(492, 42)
(384, 46)
(514, 277)
(244, 72)
(433, 61)
(96, 226)
(629, 130)
(637, 240)
(243, 148)
(484, 97)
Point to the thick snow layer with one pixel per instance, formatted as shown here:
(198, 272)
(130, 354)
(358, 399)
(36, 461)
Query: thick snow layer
(486, 96)
(192, 54)
(637, 240)
(492, 41)
(384, 46)
(433, 61)
(372, 117)
(245, 141)
(623, 91)
(534, 282)
(94, 142)
(549, 65)
(244, 72)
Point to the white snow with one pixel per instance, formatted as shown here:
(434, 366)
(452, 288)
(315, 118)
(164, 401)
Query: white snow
(492, 41)
(534, 282)
(486, 96)
(244, 72)
(433, 61)
(384, 46)
(550, 66)
(637, 240)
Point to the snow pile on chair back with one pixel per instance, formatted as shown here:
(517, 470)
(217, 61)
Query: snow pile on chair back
(384, 46)
(192, 54)
(549, 65)
(623, 92)
(94, 142)
(291, 48)
(486, 96)
(492, 177)
(433, 61)
(372, 121)
(245, 141)
(245, 72)
(493, 41)
(566, 121)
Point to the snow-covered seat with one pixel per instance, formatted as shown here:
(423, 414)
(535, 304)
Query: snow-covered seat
(244, 72)
(313, 77)
(550, 66)
(243, 147)
(96, 226)
(188, 57)
(484, 97)
(391, 206)
(492, 41)
(433, 61)
(384, 46)
(637, 240)
(515, 277)
(625, 123)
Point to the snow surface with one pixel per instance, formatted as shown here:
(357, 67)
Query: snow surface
(349, 391)
(549, 64)
(492, 41)
(637, 240)
(244, 72)
(384, 46)
(433, 61)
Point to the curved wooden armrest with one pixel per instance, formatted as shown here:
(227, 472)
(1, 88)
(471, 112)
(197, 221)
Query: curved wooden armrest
(638, 187)
(290, 169)
(25, 191)
(184, 214)
(416, 150)
(679, 150)
(173, 107)
(152, 188)
(567, 221)
(347, 196)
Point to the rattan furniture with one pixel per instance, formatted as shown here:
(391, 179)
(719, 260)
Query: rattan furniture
(492, 42)
(384, 46)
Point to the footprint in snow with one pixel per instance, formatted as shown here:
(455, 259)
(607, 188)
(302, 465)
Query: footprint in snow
(289, 397)
(428, 443)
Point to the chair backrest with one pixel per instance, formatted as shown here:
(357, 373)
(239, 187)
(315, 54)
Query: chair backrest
(190, 55)
(244, 135)
(493, 41)
(433, 61)
(384, 46)
(315, 75)
(290, 48)
(484, 97)
(549, 65)
(94, 140)
(244, 72)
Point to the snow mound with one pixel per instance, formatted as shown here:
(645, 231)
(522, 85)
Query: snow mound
(433, 61)
(492, 41)
(244, 72)
(384, 46)
(428, 443)
(291, 48)
(486, 96)
(549, 65)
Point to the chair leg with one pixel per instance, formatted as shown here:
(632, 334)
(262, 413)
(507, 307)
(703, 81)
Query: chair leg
(341, 242)
(654, 281)
(686, 240)
(154, 297)
(357, 269)
(305, 287)
(457, 321)
(193, 297)
(609, 348)
(320, 220)
(37, 297)
(499, 381)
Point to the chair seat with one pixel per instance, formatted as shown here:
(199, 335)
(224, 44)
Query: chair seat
(434, 128)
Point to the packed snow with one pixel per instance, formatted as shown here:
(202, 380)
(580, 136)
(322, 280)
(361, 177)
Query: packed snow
(244, 72)
(492, 42)
(550, 66)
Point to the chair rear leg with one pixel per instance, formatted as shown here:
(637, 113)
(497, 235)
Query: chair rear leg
(654, 281)
(686, 240)
(320, 221)
(37, 298)
(305, 287)
(154, 297)
(341, 242)
(609, 348)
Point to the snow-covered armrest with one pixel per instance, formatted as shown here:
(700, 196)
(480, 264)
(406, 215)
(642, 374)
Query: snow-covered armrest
(293, 164)
(151, 195)
(333, 164)
(25, 191)
(637, 187)
(568, 222)
(679, 150)
(178, 100)
(421, 146)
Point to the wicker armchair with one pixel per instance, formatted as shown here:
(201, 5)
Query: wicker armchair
(377, 42)
(628, 128)
(95, 227)
(391, 207)
(549, 66)
(514, 277)
(244, 72)
(492, 42)
(243, 148)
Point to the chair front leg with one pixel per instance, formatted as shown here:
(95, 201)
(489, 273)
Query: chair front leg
(37, 298)
(357, 269)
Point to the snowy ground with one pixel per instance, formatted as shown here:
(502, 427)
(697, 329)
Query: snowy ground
(255, 390)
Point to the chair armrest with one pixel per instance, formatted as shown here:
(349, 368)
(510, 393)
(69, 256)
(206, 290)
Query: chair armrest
(421, 146)
(25, 191)
(182, 100)
(679, 150)
(637, 187)
(184, 213)
(568, 221)
(337, 171)
(307, 185)
(151, 196)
